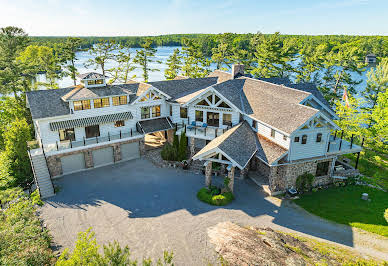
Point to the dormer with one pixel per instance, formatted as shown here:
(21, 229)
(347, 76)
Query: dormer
(92, 80)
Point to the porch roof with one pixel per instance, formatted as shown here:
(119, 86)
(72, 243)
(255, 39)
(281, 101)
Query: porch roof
(89, 121)
(155, 125)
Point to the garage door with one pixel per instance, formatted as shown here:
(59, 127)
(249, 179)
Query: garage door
(130, 151)
(73, 163)
(103, 156)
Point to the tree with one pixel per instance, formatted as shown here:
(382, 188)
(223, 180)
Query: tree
(68, 56)
(102, 53)
(273, 56)
(124, 66)
(222, 54)
(145, 57)
(377, 83)
(13, 40)
(195, 64)
(182, 152)
(379, 116)
(15, 138)
(41, 59)
(174, 64)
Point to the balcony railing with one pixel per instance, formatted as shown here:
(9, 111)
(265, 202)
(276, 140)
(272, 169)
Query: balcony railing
(68, 144)
(340, 145)
(199, 131)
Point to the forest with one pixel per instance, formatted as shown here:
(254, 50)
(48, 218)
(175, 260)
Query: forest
(333, 63)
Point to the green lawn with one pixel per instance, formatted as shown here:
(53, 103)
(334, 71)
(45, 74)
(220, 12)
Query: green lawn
(344, 205)
(373, 165)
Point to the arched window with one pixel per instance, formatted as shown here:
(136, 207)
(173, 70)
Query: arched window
(319, 137)
(304, 139)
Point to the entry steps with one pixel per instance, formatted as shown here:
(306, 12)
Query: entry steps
(41, 173)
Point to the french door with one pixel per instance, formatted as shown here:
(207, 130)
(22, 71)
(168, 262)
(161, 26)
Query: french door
(213, 119)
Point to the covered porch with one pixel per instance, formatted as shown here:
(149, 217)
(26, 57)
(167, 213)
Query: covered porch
(155, 131)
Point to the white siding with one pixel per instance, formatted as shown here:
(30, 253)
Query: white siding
(311, 148)
(266, 132)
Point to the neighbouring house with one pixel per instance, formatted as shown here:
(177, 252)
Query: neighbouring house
(370, 58)
(270, 127)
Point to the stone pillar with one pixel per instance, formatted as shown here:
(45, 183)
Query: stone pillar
(231, 177)
(223, 168)
(208, 173)
(142, 147)
(88, 159)
(244, 172)
(192, 147)
(54, 165)
(170, 135)
(117, 153)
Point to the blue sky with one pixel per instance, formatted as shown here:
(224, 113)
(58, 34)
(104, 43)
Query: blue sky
(151, 17)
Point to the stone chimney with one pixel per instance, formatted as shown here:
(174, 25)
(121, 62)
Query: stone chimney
(237, 70)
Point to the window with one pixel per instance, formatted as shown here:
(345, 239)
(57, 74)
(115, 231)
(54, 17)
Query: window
(145, 112)
(119, 123)
(227, 119)
(99, 81)
(81, 105)
(296, 139)
(183, 112)
(92, 131)
(319, 137)
(170, 110)
(273, 133)
(213, 119)
(216, 99)
(91, 82)
(156, 111)
(119, 100)
(223, 105)
(304, 139)
(103, 102)
(284, 137)
(254, 124)
(203, 102)
(67, 134)
(322, 168)
(199, 116)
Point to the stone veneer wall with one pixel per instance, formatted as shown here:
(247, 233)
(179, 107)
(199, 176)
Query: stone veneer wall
(284, 176)
(54, 161)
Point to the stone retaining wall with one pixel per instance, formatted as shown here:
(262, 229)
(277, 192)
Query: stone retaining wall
(54, 161)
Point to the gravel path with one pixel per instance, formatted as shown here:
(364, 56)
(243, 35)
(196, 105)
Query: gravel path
(152, 209)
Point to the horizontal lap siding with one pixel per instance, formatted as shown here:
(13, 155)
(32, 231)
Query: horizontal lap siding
(311, 148)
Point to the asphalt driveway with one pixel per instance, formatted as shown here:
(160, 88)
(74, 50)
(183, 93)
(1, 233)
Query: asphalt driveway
(152, 209)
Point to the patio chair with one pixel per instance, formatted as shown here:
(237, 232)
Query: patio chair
(192, 125)
(204, 125)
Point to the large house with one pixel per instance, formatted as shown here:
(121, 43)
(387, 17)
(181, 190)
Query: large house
(272, 127)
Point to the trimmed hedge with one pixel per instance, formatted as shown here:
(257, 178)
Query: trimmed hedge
(212, 196)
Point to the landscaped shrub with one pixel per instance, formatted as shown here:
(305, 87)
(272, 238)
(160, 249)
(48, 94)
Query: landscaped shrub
(177, 151)
(182, 152)
(304, 182)
(168, 152)
(206, 195)
(386, 215)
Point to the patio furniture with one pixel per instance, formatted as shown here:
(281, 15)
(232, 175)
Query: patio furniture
(204, 125)
(192, 125)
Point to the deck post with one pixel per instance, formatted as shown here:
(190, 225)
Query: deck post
(342, 134)
(131, 132)
(108, 136)
(120, 134)
(96, 139)
(231, 170)
(335, 135)
(56, 143)
(358, 154)
(328, 147)
(351, 142)
(84, 141)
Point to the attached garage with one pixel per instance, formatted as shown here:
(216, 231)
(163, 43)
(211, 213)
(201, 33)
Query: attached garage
(73, 163)
(129, 151)
(103, 156)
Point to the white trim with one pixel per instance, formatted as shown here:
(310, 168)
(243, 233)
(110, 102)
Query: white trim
(315, 116)
(321, 104)
(148, 90)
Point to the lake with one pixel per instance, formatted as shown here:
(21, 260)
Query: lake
(162, 54)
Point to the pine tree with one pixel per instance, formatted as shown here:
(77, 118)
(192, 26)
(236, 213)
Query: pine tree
(195, 64)
(102, 53)
(124, 66)
(223, 53)
(68, 56)
(174, 64)
(144, 57)
(183, 147)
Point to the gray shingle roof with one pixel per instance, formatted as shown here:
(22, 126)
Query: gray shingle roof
(275, 80)
(48, 103)
(269, 151)
(154, 125)
(181, 88)
(220, 75)
(241, 136)
(91, 75)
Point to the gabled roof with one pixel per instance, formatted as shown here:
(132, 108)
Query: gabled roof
(220, 75)
(81, 93)
(268, 151)
(180, 89)
(241, 136)
(275, 80)
(91, 75)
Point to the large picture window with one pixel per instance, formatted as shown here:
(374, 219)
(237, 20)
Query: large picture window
(156, 111)
(119, 100)
(145, 112)
(103, 102)
(81, 105)
(227, 119)
(67, 134)
(183, 112)
(199, 116)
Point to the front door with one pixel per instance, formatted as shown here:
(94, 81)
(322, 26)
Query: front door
(213, 119)
(92, 131)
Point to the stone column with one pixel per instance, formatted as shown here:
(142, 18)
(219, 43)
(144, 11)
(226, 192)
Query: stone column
(117, 153)
(170, 135)
(88, 159)
(54, 165)
(223, 168)
(208, 173)
(231, 177)
(192, 147)
(244, 172)
(142, 147)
